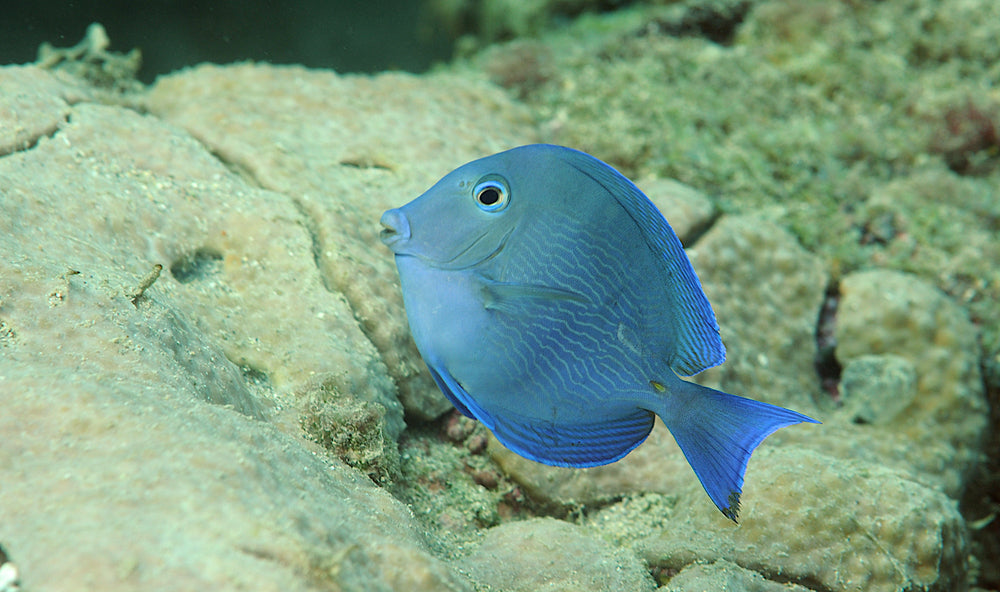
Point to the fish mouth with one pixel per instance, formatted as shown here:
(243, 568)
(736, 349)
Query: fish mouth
(396, 235)
(395, 229)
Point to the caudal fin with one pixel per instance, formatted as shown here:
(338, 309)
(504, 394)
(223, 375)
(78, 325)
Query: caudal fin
(718, 432)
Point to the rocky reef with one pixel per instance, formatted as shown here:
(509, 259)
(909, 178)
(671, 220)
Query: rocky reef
(206, 376)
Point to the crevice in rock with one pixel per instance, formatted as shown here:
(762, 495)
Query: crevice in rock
(198, 364)
(577, 513)
(980, 503)
(365, 162)
(803, 581)
(665, 571)
(308, 221)
(717, 23)
(28, 143)
(198, 265)
(696, 232)
(316, 243)
(827, 366)
(254, 376)
(233, 167)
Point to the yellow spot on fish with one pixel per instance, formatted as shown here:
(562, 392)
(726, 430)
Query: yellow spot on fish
(658, 386)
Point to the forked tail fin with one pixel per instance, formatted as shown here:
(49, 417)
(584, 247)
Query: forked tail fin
(718, 432)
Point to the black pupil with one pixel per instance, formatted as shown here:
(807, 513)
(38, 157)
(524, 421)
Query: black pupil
(489, 196)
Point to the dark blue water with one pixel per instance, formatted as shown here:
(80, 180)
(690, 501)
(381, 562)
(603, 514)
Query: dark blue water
(345, 35)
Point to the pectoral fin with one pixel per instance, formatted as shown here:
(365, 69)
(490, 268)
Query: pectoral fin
(514, 298)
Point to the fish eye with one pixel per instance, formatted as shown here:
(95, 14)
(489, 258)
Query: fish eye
(491, 194)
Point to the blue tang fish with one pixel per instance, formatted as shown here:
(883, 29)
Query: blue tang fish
(553, 303)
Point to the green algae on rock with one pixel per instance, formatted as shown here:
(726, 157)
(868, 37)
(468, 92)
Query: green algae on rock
(354, 430)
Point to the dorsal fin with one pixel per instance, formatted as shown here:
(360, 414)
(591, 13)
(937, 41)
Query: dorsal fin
(698, 345)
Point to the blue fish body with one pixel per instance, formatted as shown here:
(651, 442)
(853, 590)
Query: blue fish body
(553, 302)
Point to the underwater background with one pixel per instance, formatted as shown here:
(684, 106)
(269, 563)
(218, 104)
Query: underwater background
(206, 374)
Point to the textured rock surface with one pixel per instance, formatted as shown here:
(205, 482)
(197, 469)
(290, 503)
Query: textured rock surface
(34, 106)
(724, 575)
(875, 389)
(112, 459)
(547, 555)
(116, 474)
(808, 517)
(896, 313)
(115, 480)
(766, 291)
(343, 149)
(131, 193)
(258, 189)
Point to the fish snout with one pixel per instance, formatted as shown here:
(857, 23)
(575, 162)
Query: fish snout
(395, 228)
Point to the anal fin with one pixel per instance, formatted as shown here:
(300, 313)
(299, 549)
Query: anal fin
(573, 445)
(455, 393)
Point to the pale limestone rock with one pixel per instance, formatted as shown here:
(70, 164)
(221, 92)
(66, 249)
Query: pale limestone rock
(887, 312)
(547, 555)
(724, 575)
(135, 448)
(34, 104)
(767, 292)
(812, 518)
(876, 389)
(344, 149)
